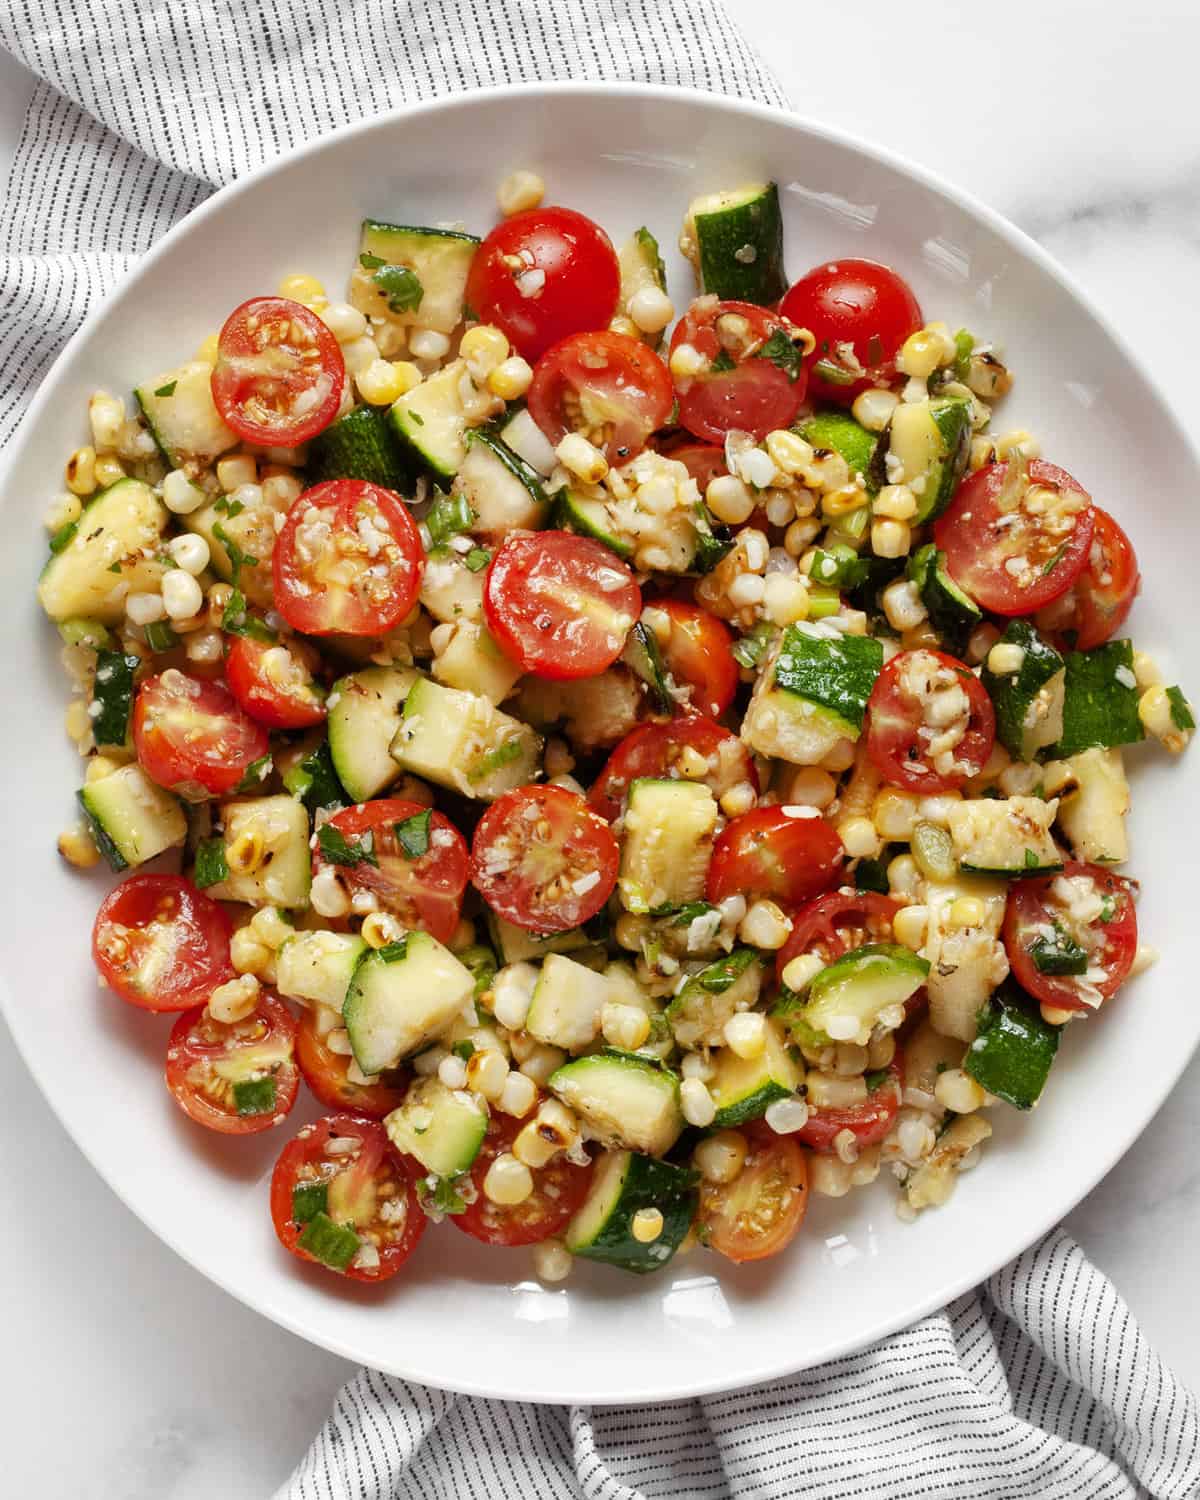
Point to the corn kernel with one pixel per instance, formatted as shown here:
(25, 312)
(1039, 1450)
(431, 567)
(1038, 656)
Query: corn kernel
(873, 409)
(1005, 658)
(809, 786)
(790, 453)
(245, 854)
(890, 538)
(518, 1096)
(859, 838)
(484, 347)
(552, 1261)
(624, 1026)
(234, 1000)
(909, 926)
(922, 352)
(802, 970)
(904, 878)
(958, 1091)
(651, 309)
(623, 325)
(844, 500)
(301, 287)
(487, 1071)
(686, 362)
(78, 848)
(696, 1103)
(966, 911)
(1019, 438)
(746, 1034)
(730, 499)
(62, 511)
(247, 954)
(235, 471)
(894, 812)
(582, 458)
(647, 1225)
(520, 191)
(383, 381)
(765, 926)
(510, 379)
(80, 473)
(508, 1181)
(380, 928)
(895, 502)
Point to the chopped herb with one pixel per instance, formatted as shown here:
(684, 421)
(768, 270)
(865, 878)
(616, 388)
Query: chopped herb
(1108, 909)
(1054, 560)
(62, 538)
(482, 963)
(371, 262)
(964, 344)
(254, 1096)
(392, 953)
(211, 866)
(1060, 954)
(1031, 859)
(875, 1078)
(469, 314)
(334, 1245)
(477, 559)
(724, 361)
(237, 620)
(308, 1200)
(160, 636)
(401, 286)
(237, 558)
(168, 389)
(337, 849)
(464, 1050)
(228, 507)
(649, 245)
(449, 515)
(710, 548)
(1181, 710)
(255, 774)
(751, 648)
(684, 915)
(502, 755)
(834, 374)
(413, 834)
(415, 416)
(442, 1194)
(114, 567)
(871, 875)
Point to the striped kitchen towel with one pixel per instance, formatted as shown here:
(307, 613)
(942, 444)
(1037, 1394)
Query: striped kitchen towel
(1040, 1385)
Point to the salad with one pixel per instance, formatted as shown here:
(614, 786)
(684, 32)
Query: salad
(637, 762)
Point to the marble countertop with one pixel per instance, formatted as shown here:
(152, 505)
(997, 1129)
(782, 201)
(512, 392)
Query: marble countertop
(1073, 124)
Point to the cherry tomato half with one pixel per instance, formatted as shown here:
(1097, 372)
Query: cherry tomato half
(654, 750)
(558, 1190)
(860, 313)
(919, 699)
(741, 388)
(558, 604)
(699, 654)
(1015, 566)
(237, 1077)
(543, 275)
(868, 1121)
(273, 685)
(608, 386)
(761, 1210)
(703, 461)
(423, 888)
(341, 1179)
(348, 560)
(161, 944)
(837, 923)
(788, 854)
(542, 859)
(326, 1073)
(1085, 914)
(192, 737)
(279, 375)
(1105, 590)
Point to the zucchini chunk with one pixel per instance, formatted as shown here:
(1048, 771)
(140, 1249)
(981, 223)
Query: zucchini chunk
(813, 695)
(515, 945)
(450, 590)
(697, 1015)
(132, 819)
(641, 266)
(965, 963)
(952, 613)
(1005, 835)
(1013, 1052)
(625, 1100)
(1028, 702)
(837, 430)
(857, 987)
(927, 446)
(401, 997)
(1100, 703)
(471, 660)
(409, 276)
(364, 715)
(252, 531)
(623, 1184)
(317, 967)
(595, 712)
(112, 690)
(284, 876)
(504, 493)
(361, 445)
(745, 1087)
(667, 843)
(735, 241)
(183, 418)
(566, 1005)
(113, 552)
(431, 422)
(443, 1128)
(1093, 814)
(463, 742)
(521, 435)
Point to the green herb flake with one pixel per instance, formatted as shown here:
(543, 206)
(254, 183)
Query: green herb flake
(469, 314)
(237, 558)
(1031, 860)
(413, 834)
(782, 353)
(334, 1245)
(114, 567)
(442, 1194)
(237, 620)
(502, 755)
(1060, 954)
(228, 507)
(255, 774)
(1181, 710)
(160, 636)
(168, 389)
(338, 850)
(875, 1078)
(477, 559)
(211, 866)
(751, 648)
(449, 515)
(392, 953)
(1054, 560)
(254, 1096)
(401, 286)
(964, 344)
(308, 1200)
(464, 1050)
(371, 262)
(62, 537)
(722, 362)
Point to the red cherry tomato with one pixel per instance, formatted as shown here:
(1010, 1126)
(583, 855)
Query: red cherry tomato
(836, 923)
(237, 1077)
(654, 750)
(905, 720)
(543, 275)
(326, 1073)
(273, 685)
(422, 889)
(326, 1195)
(1087, 906)
(703, 461)
(1105, 590)
(542, 859)
(279, 375)
(160, 943)
(854, 308)
(1047, 546)
(761, 1210)
(560, 605)
(558, 1190)
(868, 1121)
(348, 560)
(608, 386)
(192, 737)
(775, 852)
(699, 654)
(754, 394)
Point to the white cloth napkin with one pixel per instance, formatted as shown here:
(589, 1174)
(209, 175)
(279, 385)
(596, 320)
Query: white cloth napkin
(1040, 1385)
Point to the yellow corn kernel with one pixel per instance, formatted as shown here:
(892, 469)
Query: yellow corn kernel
(859, 838)
(380, 928)
(909, 926)
(301, 287)
(894, 812)
(895, 502)
(98, 767)
(923, 351)
(983, 452)
(247, 954)
(520, 191)
(873, 409)
(245, 854)
(844, 500)
(78, 848)
(485, 348)
(788, 452)
(967, 911)
(207, 352)
(1146, 671)
(622, 324)
(108, 470)
(80, 473)
(1019, 438)
(383, 381)
(890, 538)
(510, 379)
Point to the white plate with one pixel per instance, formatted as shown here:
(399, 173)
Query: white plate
(461, 1316)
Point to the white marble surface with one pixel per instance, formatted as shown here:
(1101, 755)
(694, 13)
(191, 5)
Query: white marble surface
(129, 1376)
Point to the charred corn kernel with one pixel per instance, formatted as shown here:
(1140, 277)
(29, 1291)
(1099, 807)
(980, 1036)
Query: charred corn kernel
(510, 379)
(245, 854)
(109, 469)
(904, 879)
(247, 954)
(1005, 658)
(958, 1091)
(534, 1147)
(789, 452)
(484, 347)
(518, 1096)
(983, 452)
(843, 500)
(730, 499)
(383, 381)
(909, 926)
(552, 1261)
(80, 473)
(234, 1000)
(487, 1070)
(799, 535)
(624, 1026)
(78, 848)
(686, 362)
(966, 911)
(859, 838)
(922, 352)
(541, 1062)
(270, 928)
(346, 323)
(873, 409)
(1018, 438)
(647, 1225)
(519, 191)
(651, 309)
(582, 458)
(380, 928)
(235, 471)
(801, 970)
(301, 287)
(828, 1175)
(508, 1181)
(764, 926)
(894, 812)
(697, 1103)
(621, 324)
(62, 511)
(895, 502)
(746, 1034)
(721, 1157)
(890, 538)
(828, 471)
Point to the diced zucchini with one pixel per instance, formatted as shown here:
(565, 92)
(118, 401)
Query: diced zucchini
(431, 295)
(1093, 814)
(361, 445)
(601, 519)
(183, 418)
(401, 997)
(431, 421)
(309, 774)
(856, 987)
(745, 1087)
(951, 612)
(364, 715)
(472, 661)
(625, 1100)
(812, 696)
(112, 689)
(1013, 1052)
(930, 441)
(284, 876)
(666, 844)
(462, 741)
(697, 1015)
(251, 530)
(1029, 701)
(515, 945)
(965, 963)
(443, 1128)
(504, 493)
(837, 430)
(624, 1183)
(735, 241)
(451, 591)
(644, 659)
(566, 1006)
(317, 967)
(641, 266)
(1100, 706)
(132, 819)
(522, 435)
(1004, 835)
(114, 552)
(930, 1184)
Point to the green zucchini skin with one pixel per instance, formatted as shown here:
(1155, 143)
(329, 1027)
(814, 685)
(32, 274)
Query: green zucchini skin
(837, 430)
(835, 675)
(1013, 1052)
(361, 445)
(113, 690)
(952, 613)
(1100, 708)
(1012, 694)
(753, 224)
(646, 1183)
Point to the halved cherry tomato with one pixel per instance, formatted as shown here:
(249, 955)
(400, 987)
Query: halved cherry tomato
(348, 560)
(609, 387)
(423, 889)
(1016, 560)
(368, 1187)
(654, 750)
(558, 1190)
(1093, 911)
(236, 1077)
(699, 655)
(543, 275)
(1104, 592)
(905, 720)
(703, 461)
(836, 923)
(279, 375)
(273, 685)
(326, 1073)
(192, 737)
(161, 943)
(560, 605)
(788, 854)
(868, 1121)
(860, 313)
(542, 859)
(741, 389)
(761, 1210)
